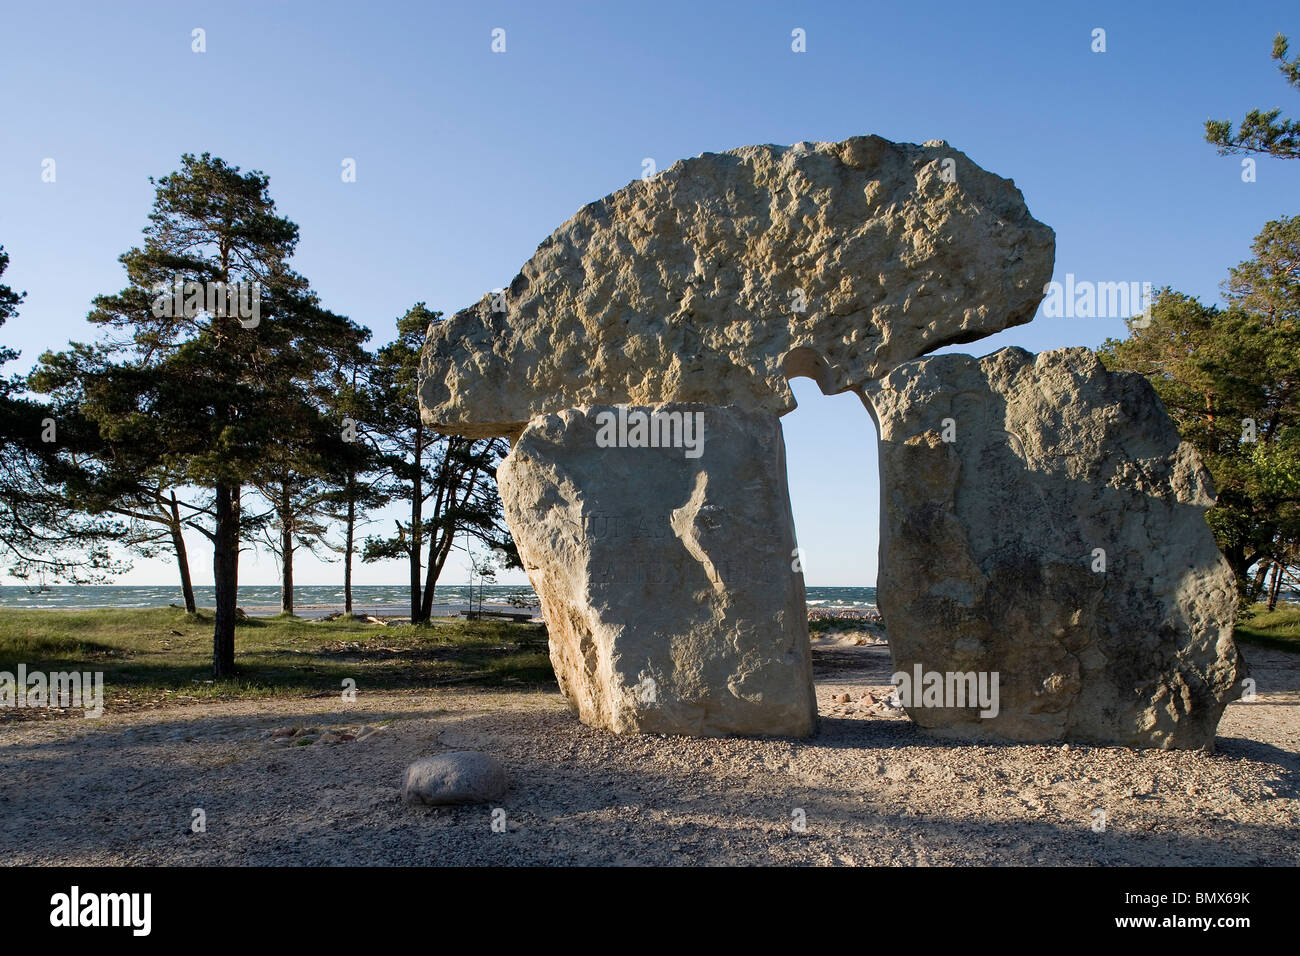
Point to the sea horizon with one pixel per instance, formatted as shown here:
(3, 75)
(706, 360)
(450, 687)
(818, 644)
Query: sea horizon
(90, 596)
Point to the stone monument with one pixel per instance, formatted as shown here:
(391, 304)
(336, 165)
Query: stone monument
(1042, 523)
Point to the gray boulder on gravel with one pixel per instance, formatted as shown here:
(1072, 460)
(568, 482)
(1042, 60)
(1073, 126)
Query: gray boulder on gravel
(462, 777)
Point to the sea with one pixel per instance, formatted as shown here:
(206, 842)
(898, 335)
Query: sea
(365, 598)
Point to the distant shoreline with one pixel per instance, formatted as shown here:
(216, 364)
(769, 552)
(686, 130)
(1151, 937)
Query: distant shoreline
(316, 601)
(400, 612)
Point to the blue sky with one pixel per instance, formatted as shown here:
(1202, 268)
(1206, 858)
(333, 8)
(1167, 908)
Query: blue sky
(466, 159)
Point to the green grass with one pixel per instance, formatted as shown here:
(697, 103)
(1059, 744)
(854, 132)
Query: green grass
(1278, 629)
(163, 654)
(825, 624)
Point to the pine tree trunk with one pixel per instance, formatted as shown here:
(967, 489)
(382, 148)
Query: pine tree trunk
(225, 575)
(417, 515)
(437, 561)
(1236, 560)
(347, 558)
(286, 553)
(182, 558)
(439, 549)
(431, 579)
(1257, 586)
(286, 573)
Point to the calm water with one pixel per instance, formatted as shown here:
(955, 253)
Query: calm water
(70, 597)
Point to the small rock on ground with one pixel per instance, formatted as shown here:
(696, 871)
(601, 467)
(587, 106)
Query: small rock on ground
(463, 777)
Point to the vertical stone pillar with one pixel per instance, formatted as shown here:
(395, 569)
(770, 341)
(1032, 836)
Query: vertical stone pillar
(1043, 531)
(661, 543)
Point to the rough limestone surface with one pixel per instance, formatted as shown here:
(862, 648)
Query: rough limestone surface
(717, 277)
(465, 776)
(989, 557)
(667, 581)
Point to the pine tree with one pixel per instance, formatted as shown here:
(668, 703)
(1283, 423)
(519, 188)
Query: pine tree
(120, 474)
(357, 471)
(1262, 131)
(447, 482)
(220, 346)
(1230, 379)
(43, 536)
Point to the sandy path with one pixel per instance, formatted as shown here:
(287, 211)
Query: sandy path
(873, 789)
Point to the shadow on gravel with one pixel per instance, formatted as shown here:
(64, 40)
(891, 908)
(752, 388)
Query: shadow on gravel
(579, 796)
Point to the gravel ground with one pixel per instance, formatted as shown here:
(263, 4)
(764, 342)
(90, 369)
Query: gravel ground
(869, 788)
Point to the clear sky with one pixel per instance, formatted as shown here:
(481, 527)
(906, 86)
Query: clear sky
(466, 159)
